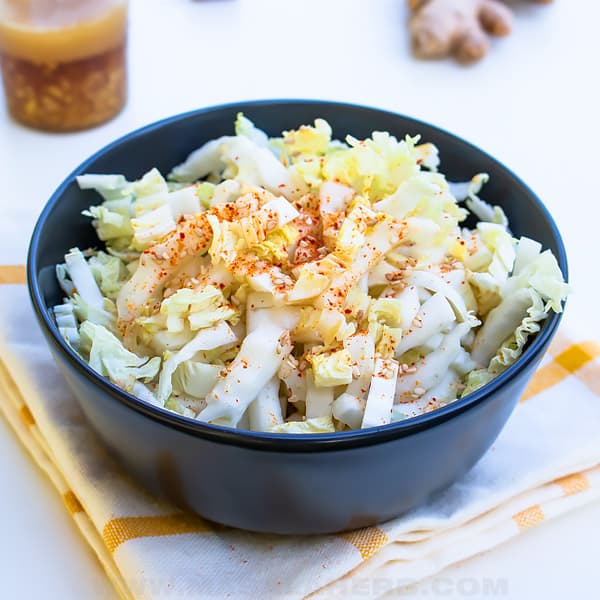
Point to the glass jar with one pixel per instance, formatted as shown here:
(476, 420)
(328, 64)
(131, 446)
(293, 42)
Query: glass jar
(63, 61)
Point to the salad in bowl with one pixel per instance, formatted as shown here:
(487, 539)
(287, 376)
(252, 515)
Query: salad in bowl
(300, 284)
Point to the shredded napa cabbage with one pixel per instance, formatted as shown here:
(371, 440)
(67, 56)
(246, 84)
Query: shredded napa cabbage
(302, 284)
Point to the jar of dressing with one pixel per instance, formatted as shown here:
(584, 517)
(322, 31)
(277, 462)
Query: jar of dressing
(63, 61)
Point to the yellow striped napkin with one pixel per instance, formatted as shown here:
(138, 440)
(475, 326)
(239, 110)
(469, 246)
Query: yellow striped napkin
(537, 469)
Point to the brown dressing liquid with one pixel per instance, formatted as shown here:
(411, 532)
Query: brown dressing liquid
(65, 79)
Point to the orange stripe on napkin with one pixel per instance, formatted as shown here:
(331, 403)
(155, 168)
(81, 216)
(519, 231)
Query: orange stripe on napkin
(117, 531)
(367, 541)
(571, 360)
(11, 387)
(72, 502)
(530, 517)
(573, 484)
(26, 415)
(578, 355)
(544, 378)
(12, 274)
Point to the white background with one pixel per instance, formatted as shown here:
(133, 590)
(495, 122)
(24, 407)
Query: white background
(532, 103)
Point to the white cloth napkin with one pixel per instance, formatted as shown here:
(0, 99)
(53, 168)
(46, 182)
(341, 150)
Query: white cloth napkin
(544, 463)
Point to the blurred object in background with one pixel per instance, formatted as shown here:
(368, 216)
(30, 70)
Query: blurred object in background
(63, 61)
(461, 28)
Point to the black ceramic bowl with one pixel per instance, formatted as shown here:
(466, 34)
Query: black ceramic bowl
(273, 482)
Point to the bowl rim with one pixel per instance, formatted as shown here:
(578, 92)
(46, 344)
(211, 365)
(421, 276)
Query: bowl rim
(284, 442)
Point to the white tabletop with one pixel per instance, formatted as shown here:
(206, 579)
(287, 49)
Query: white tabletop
(531, 103)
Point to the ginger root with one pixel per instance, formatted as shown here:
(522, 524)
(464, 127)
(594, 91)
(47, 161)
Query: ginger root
(459, 27)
